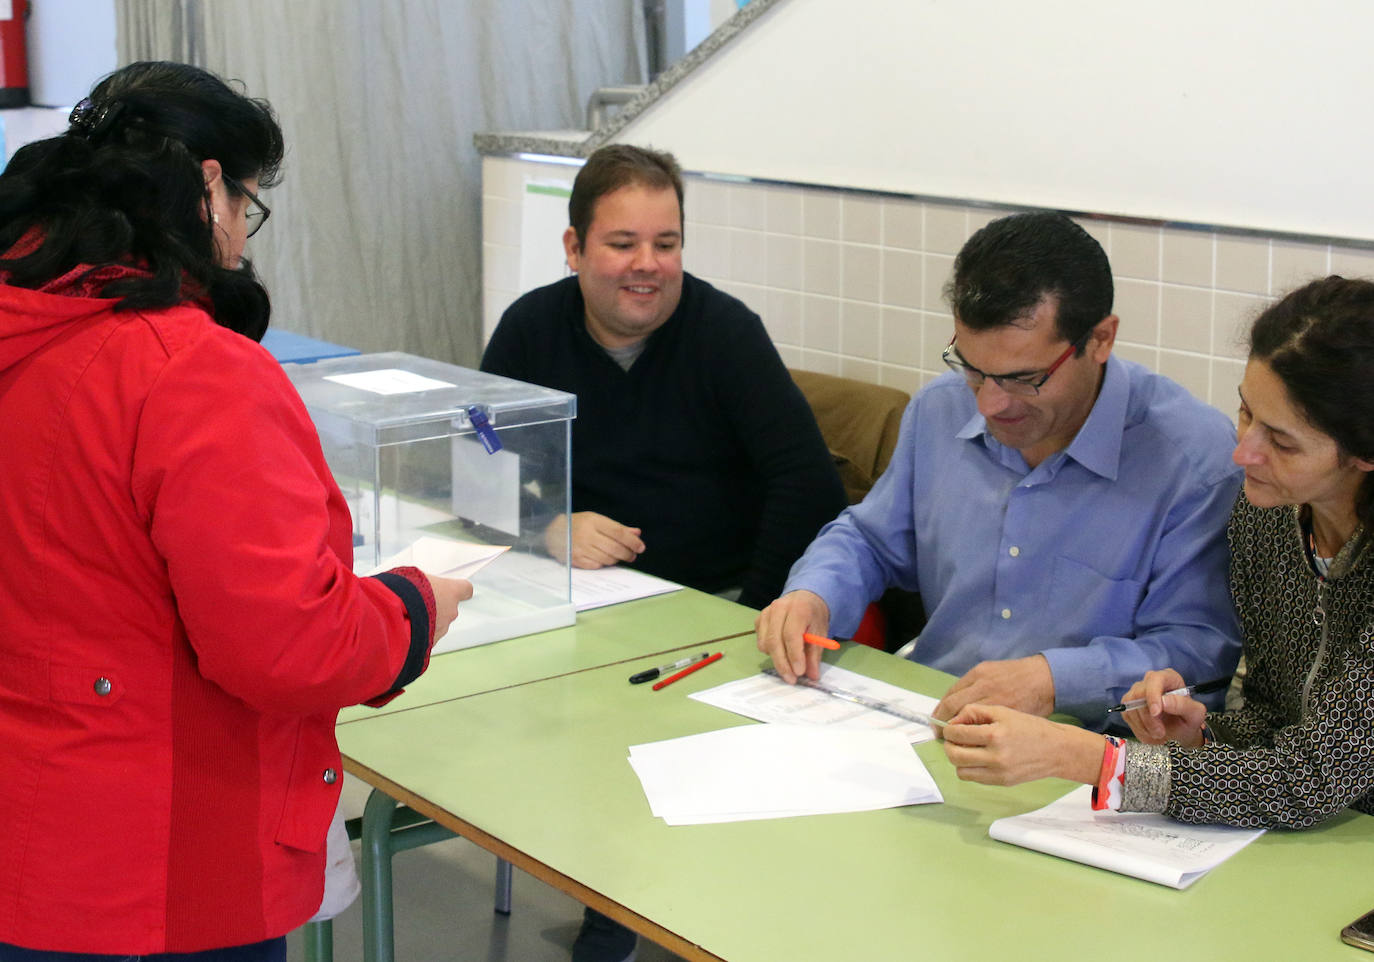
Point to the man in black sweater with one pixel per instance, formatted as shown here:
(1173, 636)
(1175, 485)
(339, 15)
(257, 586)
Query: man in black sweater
(694, 455)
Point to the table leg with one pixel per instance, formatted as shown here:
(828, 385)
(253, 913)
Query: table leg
(503, 882)
(379, 944)
(318, 941)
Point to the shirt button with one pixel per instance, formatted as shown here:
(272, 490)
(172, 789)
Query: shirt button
(1014, 551)
(1006, 613)
(102, 687)
(330, 776)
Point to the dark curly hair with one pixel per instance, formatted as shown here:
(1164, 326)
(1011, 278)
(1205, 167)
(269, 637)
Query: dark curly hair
(124, 185)
(1319, 341)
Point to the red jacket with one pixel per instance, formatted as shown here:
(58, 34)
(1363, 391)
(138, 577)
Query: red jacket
(179, 624)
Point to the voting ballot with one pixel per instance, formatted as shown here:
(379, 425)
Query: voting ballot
(427, 453)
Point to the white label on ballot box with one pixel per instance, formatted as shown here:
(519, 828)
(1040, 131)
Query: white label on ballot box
(486, 487)
(389, 380)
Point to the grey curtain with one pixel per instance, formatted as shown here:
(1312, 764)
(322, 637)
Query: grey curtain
(375, 236)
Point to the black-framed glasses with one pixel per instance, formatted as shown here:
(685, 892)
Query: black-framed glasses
(1024, 384)
(258, 212)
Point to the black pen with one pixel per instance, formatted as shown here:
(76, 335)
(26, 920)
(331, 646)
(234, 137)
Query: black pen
(639, 678)
(1216, 684)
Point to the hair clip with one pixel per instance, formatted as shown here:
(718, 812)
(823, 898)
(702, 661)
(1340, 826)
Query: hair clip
(92, 122)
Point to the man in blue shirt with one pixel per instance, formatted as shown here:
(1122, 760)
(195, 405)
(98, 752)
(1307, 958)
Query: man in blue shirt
(1061, 512)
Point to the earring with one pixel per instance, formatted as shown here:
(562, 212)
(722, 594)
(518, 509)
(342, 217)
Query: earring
(214, 216)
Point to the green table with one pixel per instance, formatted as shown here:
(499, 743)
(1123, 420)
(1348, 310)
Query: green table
(538, 775)
(601, 636)
(650, 629)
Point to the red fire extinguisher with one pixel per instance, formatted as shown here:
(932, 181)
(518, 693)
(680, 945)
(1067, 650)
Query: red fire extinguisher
(14, 61)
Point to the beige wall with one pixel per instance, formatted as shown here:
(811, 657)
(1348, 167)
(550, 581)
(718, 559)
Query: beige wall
(850, 283)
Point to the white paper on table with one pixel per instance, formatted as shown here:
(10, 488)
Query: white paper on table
(1151, 847)
(389, 380)
(444, 558)
(769, 698)
(596, 587)
(778, 771)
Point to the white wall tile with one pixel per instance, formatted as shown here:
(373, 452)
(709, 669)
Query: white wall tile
(946, 228)
(1185, 318)
(820, 361)
(784, 261)
(936, 269)
(1232, 315)
(859, 278)
(821, 267)
(821, 214)
(1135, 251)
(1193, 371)
(936, 331)
(1226, 378)
(1294, 264)
(707, 251)
(859, 370)
(862, 220)
(1186, 257)
(901, 278)
(903, 223)
(1137, 304)
(707, 201)
(1243, 264)
(1352, 262)
(860, 330)
(821, 323)
(901, 337)
(748, 256)
(1141, 354)
(748, 206)
(903, 378)
(782, 315)
(784, 210)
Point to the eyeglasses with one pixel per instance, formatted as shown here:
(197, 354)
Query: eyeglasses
(1023, 384)
(258, 212)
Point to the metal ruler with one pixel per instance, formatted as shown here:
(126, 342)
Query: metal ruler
(864, 700)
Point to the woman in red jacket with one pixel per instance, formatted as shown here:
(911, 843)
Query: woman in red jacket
(179, 619)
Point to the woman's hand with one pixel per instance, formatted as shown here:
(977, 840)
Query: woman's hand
(448, 592)
(1001, 746)
(1165, 718)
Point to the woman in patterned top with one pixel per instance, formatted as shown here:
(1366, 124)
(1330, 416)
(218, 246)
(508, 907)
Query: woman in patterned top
(1302, 747)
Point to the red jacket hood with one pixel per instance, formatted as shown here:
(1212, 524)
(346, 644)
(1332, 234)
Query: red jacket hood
(30, 319)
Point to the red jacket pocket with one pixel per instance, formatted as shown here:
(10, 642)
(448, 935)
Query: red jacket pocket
(312, 793)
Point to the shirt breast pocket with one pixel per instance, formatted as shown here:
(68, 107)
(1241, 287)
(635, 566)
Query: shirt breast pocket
(1090, 604)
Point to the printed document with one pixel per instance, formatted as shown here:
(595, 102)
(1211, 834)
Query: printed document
(777, 771)
(597, 587)
(769, 698)
(1151, 847)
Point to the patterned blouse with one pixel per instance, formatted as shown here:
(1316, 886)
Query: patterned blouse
(1302, 747)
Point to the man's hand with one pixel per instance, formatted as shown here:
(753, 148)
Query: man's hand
(999, 746)
(1025, 684)
(597, 541)
(448, 592)
(780, 627)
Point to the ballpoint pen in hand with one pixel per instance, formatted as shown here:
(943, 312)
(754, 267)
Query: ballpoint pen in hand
(1216, 684)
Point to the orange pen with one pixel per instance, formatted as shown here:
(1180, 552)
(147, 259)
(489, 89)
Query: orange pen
(820, 642)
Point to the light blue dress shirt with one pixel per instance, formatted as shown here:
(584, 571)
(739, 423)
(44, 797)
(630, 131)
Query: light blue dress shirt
(1109, 557)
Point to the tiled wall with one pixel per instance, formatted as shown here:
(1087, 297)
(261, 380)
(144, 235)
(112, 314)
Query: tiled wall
(850, 283)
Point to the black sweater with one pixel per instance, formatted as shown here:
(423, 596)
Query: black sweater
(705, 444)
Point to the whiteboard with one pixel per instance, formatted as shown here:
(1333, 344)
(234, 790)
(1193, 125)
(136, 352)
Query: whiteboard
(1252, 115)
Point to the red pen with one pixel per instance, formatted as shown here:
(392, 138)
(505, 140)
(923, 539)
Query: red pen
(688, 670)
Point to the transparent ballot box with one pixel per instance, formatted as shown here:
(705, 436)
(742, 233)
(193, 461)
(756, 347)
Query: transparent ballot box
(406, 440)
